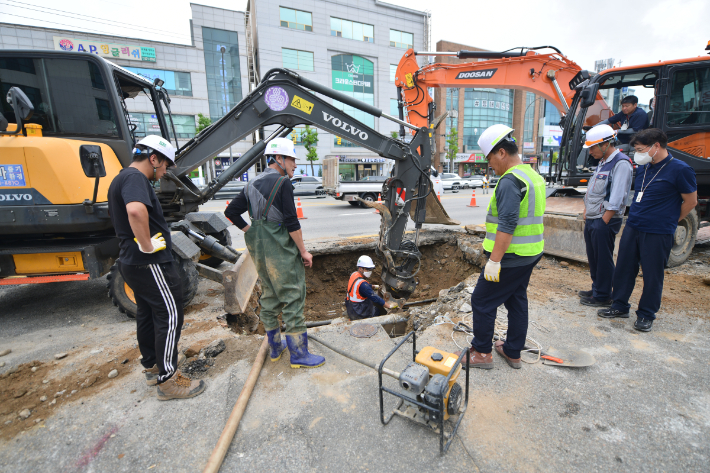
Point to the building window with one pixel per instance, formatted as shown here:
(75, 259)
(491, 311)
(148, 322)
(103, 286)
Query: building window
(528, 139)
(483, 108)
(176, 83)
(393, 72)
(294, 59)
(352, 30)
(224, 79)
(400, 39)
(147, 124)
(296, 19)
(353, 76)
(394, 108)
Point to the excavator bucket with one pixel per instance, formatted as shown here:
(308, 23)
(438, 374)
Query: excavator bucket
(435, 212)
(564, 228)
(239, 281)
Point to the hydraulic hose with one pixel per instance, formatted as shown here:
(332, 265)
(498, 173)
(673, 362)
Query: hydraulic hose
(374, 366)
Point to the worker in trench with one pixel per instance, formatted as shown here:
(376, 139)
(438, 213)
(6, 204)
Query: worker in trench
(604, 207)
(361, 300)
(275, 243)
(146, 264)
(514, 244)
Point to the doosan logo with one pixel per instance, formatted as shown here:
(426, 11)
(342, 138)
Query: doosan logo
(15, 197)
(345, 126)
(484, 74)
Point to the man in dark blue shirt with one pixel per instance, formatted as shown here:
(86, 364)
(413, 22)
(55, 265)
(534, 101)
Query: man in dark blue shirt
(361, 301)
(630, 118)
(665, 192)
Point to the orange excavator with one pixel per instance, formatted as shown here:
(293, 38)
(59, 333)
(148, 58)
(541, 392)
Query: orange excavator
(681, 109)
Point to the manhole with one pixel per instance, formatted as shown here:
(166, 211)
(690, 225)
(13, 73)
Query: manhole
(363, 330)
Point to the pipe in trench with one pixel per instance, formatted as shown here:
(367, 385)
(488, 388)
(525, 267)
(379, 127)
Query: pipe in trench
(220, 450)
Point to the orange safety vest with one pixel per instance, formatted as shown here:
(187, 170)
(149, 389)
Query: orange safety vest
(356, 279)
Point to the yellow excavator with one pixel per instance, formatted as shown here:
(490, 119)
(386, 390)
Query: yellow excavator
(65, 132)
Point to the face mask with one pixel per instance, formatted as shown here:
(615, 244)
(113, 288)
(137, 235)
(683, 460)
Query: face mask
(643, 158)
(367, 273)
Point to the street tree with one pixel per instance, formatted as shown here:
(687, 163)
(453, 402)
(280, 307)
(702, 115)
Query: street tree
(452, 144)
(309, 138)
(202, 122)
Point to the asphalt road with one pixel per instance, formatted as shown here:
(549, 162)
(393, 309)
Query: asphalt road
(330, 218)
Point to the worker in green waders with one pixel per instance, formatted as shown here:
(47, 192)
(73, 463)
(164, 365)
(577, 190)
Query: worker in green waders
(275, 244)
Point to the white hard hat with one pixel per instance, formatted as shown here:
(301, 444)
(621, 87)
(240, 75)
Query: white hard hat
(159, 144)
(494, 135)
(282, 146)
(599, 134)
(365, 262)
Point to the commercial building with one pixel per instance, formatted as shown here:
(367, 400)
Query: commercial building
(474, 110)
(207, 76)
(354, 47)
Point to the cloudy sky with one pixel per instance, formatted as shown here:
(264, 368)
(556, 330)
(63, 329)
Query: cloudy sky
(634, 32)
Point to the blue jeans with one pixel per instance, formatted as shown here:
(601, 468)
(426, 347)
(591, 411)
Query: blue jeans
(600, 238)
(512, 292)
(651, 251)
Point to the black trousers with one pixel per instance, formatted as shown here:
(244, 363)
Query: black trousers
(158, 292)
(512, 292)
(600, 238)
(651, 251)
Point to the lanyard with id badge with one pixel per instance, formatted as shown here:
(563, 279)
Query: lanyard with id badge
(639, 196)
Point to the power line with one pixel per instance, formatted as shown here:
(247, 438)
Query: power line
(81, 19)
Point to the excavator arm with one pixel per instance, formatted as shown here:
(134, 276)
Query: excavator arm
(285, 100)
(552, 76)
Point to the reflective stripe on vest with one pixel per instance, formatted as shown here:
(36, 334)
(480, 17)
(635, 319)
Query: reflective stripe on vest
(354, 293)
(528, 238)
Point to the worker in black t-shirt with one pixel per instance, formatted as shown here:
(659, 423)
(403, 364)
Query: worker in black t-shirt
(276, 246)
(146, 264)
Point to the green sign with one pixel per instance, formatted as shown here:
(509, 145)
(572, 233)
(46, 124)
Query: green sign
(353, 74)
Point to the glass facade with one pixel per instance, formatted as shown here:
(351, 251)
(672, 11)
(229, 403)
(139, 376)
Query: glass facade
(224, 79)
(483, 108)
(452, 103)
(147, 124)
(393, 72)
(353, 76)
(529, 119)
(352, 30)
(400, 39)
(298, 60)
(176, 83)
(296, 19)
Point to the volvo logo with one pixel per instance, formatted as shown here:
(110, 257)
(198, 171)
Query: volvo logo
(345, 126)
(484, 74)
(15, 197)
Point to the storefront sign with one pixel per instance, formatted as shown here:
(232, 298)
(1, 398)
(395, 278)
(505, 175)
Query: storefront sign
(473, 158)
(108, 50)
(530, 159)
(343, 159)
(529, 145)
(552, 135)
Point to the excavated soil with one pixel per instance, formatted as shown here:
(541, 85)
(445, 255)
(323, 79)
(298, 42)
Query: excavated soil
(443, 266)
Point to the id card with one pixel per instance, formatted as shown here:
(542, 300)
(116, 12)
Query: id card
(639, 196)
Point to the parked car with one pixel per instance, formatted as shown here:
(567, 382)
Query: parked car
(474, 181)
(452, 182)
(307, 185)
(230, 191)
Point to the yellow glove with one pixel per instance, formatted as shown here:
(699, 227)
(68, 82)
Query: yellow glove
(492, 271)
(157, 241)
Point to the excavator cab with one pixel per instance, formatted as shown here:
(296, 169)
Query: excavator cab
(66, 133)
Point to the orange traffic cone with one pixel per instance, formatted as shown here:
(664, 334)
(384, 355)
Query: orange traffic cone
(379, 201)
(227, 204)
(473, 199)
(299, 210)
(438, 194)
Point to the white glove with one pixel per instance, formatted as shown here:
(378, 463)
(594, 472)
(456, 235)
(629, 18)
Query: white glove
(492, 271)
(157, 241)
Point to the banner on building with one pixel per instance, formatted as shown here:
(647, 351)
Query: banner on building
(471, 158)
(551, 135)
(107, 50)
